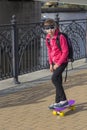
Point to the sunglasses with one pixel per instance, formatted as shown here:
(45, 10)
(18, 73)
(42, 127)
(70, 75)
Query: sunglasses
(49, 27)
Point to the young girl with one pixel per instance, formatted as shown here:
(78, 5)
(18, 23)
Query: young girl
(58, 60)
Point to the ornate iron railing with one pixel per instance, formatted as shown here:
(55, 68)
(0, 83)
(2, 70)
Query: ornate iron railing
(23, 50)
(76, 30)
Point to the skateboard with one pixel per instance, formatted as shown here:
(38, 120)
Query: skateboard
(60, 110)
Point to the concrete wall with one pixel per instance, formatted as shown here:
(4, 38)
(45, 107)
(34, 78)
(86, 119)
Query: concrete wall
(25, 11)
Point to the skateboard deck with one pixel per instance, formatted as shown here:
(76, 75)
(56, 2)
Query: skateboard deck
(60, 110)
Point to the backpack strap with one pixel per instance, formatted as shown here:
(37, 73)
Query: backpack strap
(66, 72)
(48, 41)
(58, 40)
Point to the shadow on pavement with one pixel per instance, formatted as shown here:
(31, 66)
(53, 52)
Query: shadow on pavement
(34, 94)
(78, 108)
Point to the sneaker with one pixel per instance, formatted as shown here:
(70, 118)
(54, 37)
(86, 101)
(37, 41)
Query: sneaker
(52, 105)
(61, 104)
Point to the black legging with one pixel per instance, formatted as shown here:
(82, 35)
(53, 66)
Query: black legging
(57, 81)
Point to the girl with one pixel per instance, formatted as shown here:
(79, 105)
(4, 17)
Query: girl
(58, 60)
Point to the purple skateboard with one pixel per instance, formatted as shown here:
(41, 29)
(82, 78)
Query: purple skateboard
(71, 102)
(59, 110)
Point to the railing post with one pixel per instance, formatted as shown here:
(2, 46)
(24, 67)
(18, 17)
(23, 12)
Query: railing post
(86, 42)
(57, 15)
(14, 49)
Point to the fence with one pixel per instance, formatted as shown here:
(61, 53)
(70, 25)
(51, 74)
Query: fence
(23, 50)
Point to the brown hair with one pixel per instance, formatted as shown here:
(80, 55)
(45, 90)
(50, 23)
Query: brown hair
(49, 22)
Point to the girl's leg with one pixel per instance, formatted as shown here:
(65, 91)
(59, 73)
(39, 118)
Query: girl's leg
(57, 81)
(60, 94)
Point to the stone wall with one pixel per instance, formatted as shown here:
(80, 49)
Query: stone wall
(25, 11)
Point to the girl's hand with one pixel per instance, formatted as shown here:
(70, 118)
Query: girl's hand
(51, 68)
(55, 66)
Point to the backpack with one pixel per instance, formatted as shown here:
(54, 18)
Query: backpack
(69, 43)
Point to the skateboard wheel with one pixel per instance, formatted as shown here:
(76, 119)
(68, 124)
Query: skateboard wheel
(61, 114)
(72, 108)
(54, 113)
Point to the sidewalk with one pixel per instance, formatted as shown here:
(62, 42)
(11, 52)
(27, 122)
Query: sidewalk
(25, 106)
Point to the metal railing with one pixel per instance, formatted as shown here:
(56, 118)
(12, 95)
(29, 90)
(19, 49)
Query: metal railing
(23, 49)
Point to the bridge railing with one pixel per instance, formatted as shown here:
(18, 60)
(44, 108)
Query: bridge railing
(23, 49)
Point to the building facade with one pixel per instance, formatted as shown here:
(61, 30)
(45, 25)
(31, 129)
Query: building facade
(25, 11)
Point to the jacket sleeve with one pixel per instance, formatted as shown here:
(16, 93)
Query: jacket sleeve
(49, 52)
(64, 50)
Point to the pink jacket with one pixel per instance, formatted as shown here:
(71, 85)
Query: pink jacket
(55, 55)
